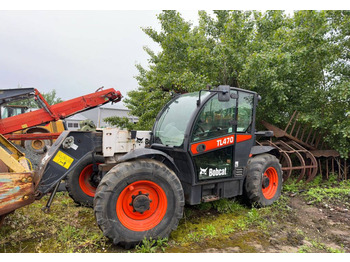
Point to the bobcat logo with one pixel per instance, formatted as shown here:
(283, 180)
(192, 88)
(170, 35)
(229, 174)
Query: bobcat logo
(139, 140)
(203, 171)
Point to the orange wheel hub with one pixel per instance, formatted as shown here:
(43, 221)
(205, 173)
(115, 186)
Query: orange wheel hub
(38, 144)
(85, 180)
(141, 205)
(270, 183)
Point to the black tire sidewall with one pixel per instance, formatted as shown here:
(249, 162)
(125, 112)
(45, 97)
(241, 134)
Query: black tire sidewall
(171, 190)
(72, 182)
(257, 175)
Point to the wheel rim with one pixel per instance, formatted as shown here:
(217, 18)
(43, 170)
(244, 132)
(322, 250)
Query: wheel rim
(141, 205)
(270, 183)
(85, 180)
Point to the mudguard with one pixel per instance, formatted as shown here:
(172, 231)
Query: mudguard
(150, 153)
(258, 150)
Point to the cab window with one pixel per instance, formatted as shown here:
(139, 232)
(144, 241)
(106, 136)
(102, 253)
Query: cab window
(215, 119)
(171, 127)
(245, 112)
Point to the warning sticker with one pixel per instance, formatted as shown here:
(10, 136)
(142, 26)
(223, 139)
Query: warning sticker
(63, 160)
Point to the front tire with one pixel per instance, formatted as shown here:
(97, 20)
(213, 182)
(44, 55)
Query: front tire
(138, 199)
(263, 183)
(79, 184)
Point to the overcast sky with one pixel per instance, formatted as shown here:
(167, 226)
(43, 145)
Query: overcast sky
(75, 52)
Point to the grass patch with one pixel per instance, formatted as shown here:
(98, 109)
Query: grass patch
(319, 190)
(318, 247)
(319, 195)
(225, 206)
(67, 228)
(217, 222)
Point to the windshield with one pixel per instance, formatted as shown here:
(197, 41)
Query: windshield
(171, 127)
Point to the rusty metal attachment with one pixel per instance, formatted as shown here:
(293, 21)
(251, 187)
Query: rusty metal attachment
(16, 190)
(304, 152)
(294, 157)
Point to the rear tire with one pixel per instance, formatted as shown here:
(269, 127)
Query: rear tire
(37, 146)
(263, 183)
(78, 185)
(138, 199)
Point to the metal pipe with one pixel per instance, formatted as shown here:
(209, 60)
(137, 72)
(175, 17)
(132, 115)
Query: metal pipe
(46, 209)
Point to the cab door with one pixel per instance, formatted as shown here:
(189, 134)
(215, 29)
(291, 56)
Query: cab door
(212, 139)
(245, 132)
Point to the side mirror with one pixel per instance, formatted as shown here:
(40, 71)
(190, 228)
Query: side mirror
(224, 93)
(267, 133)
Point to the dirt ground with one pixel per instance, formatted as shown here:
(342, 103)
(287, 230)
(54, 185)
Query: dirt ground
(306, 229)
(327, 224)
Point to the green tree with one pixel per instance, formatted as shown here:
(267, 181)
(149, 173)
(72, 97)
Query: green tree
(122, 122)
(51, 97)
(295, 62)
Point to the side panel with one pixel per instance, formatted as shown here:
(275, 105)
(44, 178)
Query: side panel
(181, 160)
(217, 153)
(242, 152)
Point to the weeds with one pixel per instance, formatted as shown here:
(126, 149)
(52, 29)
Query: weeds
(316, 246)
(226, 206)
(206, 206)
(319, 190)
(209, 231)
(228, 229)
(152, 245)
(241, 224)
(319, 195)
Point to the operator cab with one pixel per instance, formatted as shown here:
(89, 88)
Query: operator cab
(13, 110)
(209, 134)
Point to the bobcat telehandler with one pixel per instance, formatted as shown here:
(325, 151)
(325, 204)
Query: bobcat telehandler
(202, 148)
